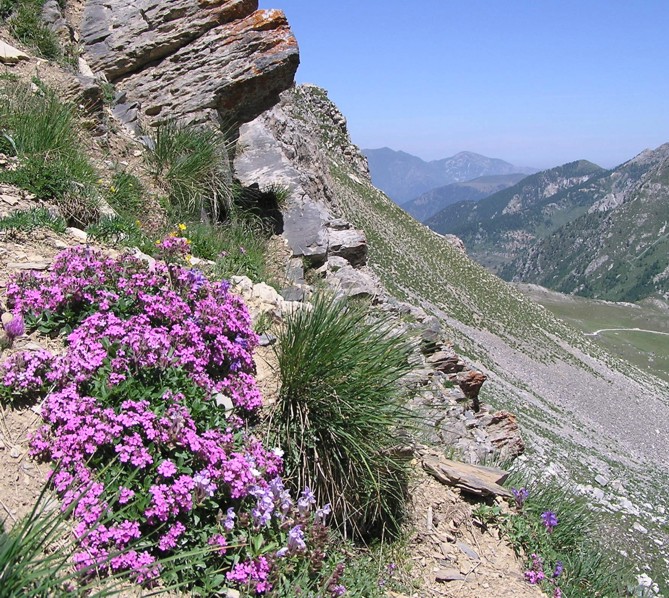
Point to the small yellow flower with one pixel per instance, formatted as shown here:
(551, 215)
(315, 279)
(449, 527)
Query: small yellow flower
(188, 241)
(112, 189)
(188, 258)
(138, 223)
(181, 227)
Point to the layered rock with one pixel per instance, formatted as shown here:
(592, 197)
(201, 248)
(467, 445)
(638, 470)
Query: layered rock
(277, 152)
(190, 60)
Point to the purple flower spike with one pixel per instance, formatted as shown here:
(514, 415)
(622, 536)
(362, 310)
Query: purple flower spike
(520, 496)
(550, 520)
(15, 327)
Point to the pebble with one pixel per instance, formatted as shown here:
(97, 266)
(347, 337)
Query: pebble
(15, 453)
(601, 480)
(78, 234)
(9, 199)
(266, 339)
(448, 575)
(468, 550)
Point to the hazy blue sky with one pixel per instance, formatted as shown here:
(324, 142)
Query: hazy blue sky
(535, 82)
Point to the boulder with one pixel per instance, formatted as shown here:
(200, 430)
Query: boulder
(351, 244)
(52, 15)
(446, 361)
(123, 36)
(354, 282)
(470, 383)
(303, 228)
(472, 479)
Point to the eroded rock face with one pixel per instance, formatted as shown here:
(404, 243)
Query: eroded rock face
(187, 59)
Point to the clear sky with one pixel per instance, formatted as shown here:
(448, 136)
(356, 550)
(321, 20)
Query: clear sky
(535, 82)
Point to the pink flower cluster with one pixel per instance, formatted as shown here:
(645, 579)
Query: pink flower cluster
(153, 316)
(147, 459)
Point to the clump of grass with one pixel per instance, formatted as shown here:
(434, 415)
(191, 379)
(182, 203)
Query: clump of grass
(29, 220)
(192, 164)
(555, 529)
(126, 195)
(339, 410)
(122, 231)
(238, 246)
(40, 130)
(25, 24)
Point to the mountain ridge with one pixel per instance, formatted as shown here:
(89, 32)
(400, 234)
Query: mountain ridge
(496, 229)
(403, 176)
(618, 249)
(431, 202)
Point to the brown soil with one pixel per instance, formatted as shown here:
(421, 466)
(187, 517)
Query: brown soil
(445, 542)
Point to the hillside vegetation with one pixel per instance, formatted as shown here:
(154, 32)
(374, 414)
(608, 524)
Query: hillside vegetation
(505, 224)
(170, 422)
(584, 411)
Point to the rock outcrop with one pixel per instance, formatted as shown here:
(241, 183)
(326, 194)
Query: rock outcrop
(190, 60)
(272, 145)
(280, 149)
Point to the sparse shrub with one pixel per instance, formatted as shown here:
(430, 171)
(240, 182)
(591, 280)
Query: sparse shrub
(339, 410)
(192, 164)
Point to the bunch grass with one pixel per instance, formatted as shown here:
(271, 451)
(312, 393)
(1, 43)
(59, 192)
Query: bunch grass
(29, 220)
(40, 130)
(25, 24)
(339, 410)
(192, 164)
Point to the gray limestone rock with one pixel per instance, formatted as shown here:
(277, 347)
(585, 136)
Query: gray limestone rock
(54, 20)
(305, 232)
(122, 36)
(355, 282)
(351, 244)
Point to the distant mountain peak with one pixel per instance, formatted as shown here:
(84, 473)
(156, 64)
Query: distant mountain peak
(403, 176)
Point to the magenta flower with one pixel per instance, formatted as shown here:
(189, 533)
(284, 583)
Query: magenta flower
(15, 327)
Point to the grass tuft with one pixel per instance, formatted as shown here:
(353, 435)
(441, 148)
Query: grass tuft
(126, 195)
(192, 165)
(29, 220)
(41, 131)
(339, 411)
(26, 25)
